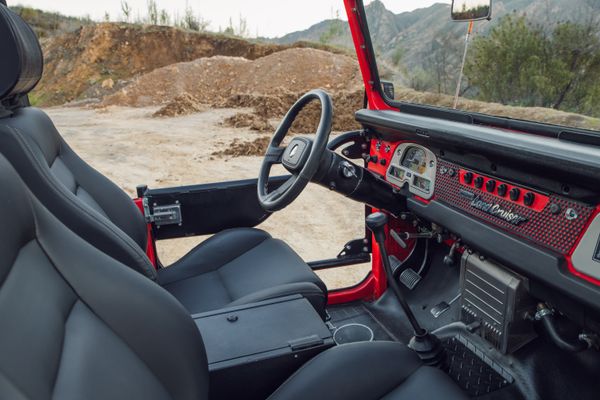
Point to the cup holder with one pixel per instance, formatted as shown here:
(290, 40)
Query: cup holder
(351, 333)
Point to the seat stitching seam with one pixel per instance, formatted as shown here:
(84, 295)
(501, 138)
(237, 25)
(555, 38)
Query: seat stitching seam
(62, 345)
(17, 387)
(227, 292)
(13, 263)
(50, 166)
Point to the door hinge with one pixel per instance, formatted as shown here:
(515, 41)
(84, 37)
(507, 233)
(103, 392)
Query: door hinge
(162, 215)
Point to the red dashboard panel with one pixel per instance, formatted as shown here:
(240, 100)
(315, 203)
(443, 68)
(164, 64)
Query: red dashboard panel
(380, 155)
(551, 221)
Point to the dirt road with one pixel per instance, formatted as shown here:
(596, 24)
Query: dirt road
(131, 148)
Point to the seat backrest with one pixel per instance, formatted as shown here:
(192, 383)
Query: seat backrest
(77, 324)
(82, 198)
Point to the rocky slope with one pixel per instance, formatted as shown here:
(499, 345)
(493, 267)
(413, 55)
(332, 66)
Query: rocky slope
(95, 60)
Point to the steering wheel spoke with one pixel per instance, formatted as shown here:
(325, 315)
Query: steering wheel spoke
(274, 154)
(276, 193)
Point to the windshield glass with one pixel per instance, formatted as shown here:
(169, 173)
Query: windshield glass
(532, 60)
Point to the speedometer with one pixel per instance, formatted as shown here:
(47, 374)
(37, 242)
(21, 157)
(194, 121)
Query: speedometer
(415, 159)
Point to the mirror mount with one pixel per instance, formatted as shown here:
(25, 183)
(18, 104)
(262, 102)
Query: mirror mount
(471, 10)
(468, 11)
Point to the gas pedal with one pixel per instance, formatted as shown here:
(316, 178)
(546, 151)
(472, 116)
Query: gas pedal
(442, 307)
(410, 278)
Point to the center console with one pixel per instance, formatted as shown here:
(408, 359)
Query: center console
(258, 346)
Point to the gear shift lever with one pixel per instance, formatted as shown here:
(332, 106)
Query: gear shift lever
(426, 345)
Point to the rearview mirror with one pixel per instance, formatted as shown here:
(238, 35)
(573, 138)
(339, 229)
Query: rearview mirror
(471, 10)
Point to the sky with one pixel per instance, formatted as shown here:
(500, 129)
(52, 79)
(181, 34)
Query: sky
(269, 18)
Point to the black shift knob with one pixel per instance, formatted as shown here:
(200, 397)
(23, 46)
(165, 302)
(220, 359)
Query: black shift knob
(376, 223)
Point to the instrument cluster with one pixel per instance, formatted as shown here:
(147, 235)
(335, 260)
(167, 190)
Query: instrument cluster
(413, 166)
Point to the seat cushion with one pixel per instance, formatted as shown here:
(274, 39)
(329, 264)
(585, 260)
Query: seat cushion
(239, 266)
(368, 371)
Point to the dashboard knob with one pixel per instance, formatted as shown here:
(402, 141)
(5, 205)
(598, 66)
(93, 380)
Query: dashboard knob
(490, 185)
(554, 208)
(468, 177)
(479, 182)
(502, 189)
(529, 198)
(515, 193)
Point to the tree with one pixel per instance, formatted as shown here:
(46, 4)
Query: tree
(508, 65)
(521, 64)
(152, 9)
(241, 30)
(443, 62)
(192, 22)
(576, 51)
(164, 17)
(126, 10)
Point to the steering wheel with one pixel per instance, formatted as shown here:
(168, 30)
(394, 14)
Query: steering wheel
(301, 157)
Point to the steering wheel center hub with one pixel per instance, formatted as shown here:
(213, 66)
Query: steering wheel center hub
(296, 154)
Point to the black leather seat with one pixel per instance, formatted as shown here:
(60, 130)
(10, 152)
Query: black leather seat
(235, 266)
(105, 332)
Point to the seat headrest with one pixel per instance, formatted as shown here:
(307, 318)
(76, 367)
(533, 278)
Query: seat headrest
(21, 60)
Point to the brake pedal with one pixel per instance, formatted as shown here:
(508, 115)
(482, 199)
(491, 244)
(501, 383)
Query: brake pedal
(410, 278)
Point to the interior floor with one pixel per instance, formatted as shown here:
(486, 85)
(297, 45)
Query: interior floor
(539, 370)
(358, 313)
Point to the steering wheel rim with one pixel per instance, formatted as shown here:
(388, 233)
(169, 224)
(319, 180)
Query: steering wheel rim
(308, 161)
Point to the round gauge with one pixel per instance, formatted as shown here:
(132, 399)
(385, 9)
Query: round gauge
(415, 159)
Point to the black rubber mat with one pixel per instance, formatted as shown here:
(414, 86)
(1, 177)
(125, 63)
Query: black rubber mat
(475, 376)
(356, 313)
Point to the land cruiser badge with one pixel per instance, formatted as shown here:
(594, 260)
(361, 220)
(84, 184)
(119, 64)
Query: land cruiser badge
(496, 210)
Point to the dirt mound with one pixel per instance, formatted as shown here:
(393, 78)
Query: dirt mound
(181, 105)
(270, 85)
(249, 120)
(208, 79)
(214, 80)
(238, 148)
(79, 60)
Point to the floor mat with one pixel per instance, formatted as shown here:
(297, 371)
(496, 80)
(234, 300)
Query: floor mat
(357, 313)
(474, 375)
